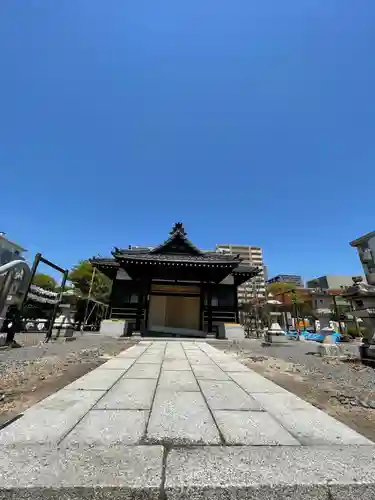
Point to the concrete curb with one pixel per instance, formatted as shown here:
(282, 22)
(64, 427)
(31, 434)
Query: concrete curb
(209, 472)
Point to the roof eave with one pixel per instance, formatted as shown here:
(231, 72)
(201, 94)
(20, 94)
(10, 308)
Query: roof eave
(362, 239)
(16, 245)
(131, 259)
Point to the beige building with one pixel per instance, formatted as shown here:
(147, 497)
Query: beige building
(9, 250)
(253, 256)
(365, 246)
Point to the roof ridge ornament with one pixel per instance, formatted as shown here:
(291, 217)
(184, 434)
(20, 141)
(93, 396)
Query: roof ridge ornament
(178, 227)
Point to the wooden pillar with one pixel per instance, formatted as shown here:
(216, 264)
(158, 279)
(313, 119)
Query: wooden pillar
(142, 298)
(209, 309)
(201, 307)
(236, 303)
(147, 302)
(111, 296)
(139, 311)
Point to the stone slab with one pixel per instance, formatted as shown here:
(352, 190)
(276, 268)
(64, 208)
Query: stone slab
(133, 352)
(190, 346)
(181, 418)
(117, 364)
(153, 359)
(175, 356)
(109, 427)
(75, 473)
(50, 419)
(176, 365)
(129, 394)
(232, 366)
(226, 395)
(278, 403)
(314, 427)
(252, 428)
(200, 360)
(155, 351)
(97, 380)
(251, 382)
(67, 400)
(209, 372)
(270, 473)
(218, 357)
(139, 370)
(178, 381)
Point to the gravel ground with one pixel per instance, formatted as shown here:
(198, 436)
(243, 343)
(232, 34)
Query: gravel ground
(343, 388)
(36, 370)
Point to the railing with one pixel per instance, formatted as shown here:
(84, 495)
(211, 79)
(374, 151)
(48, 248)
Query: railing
(129, 313)
(223, 314)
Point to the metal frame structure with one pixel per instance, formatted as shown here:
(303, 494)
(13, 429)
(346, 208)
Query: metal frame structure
(37, 260)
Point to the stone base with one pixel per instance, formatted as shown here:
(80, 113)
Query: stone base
(231, 331)
(111, 328)
(177, 332)
(330, 350)
(278, 339)
(63, 332)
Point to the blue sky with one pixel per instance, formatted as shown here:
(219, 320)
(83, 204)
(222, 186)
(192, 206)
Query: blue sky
(250, 121)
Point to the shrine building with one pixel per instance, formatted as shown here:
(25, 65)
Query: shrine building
(174, 288)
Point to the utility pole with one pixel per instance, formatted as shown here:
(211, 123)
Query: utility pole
(88, 298)
(255, 291)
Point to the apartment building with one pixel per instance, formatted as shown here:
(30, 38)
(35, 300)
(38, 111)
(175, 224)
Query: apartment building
(253, 256)
(287, 278)
(330, 281)
(9, 250)
(365, 246)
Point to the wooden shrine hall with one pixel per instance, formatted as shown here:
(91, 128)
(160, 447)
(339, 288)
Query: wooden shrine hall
(174, 288)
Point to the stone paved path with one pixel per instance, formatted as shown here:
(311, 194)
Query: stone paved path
(174, 418)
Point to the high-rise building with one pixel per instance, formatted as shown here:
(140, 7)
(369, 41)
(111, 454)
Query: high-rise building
(330, 281)
(9, 250)
(287, 278)
(253, 256)
(365, 246)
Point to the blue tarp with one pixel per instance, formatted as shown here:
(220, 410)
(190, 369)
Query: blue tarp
(316, 337)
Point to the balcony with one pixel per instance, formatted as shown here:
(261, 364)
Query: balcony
(366, 256)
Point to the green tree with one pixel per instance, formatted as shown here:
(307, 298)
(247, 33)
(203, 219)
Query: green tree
(45, 281)
(81, 276)
(294, 299)
(280, 288)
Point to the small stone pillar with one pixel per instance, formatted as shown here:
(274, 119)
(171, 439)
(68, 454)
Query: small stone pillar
(65, 322)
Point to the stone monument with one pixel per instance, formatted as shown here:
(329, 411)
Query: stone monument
(362, 297)
(64, 323)
(274, 333)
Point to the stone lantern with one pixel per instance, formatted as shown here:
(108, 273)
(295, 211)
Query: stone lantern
(272, 306)
(362, 297)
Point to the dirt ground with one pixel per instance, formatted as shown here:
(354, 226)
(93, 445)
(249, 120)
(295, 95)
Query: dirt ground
(36, 370)
(343, 389)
